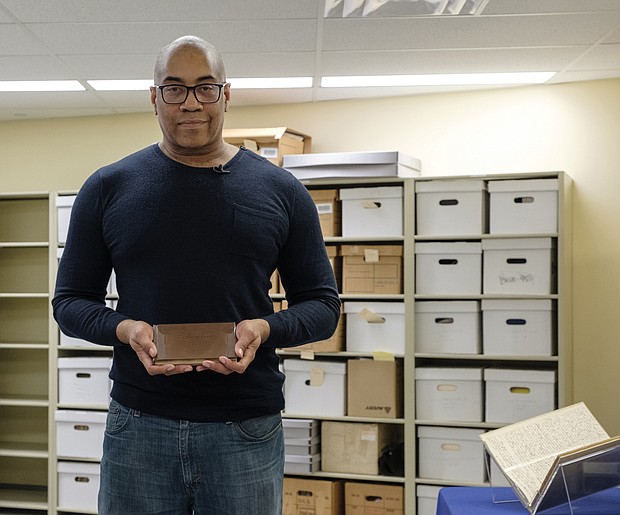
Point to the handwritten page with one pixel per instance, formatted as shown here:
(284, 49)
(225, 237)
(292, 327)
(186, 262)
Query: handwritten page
(525, 451)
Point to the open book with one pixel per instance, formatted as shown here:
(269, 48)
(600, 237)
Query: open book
(545, 456)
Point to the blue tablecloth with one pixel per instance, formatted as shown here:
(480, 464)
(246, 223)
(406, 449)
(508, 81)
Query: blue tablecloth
(478, 501)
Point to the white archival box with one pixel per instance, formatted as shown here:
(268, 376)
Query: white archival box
(451, 207)
(375, 326)
(78, 486)
(372, 211)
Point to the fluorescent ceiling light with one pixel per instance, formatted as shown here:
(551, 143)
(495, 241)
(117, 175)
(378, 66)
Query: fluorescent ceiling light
(40, 85)
(446, 79)
(271, 82)
(121, 85)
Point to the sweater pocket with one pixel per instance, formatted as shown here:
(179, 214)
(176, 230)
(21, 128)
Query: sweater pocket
(257, 234)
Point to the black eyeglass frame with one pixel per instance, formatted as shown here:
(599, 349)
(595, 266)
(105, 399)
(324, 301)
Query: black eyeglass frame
(219, 85)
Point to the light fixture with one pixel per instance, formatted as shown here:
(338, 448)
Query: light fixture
(40, 85)
(440, 79)
(121, 85)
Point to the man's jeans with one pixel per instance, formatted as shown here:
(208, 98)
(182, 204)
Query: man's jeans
(156, 465)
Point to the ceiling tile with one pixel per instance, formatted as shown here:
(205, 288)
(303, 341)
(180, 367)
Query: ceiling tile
(548, 6)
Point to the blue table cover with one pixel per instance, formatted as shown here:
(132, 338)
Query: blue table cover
(479, 501)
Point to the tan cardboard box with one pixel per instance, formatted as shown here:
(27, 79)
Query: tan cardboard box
(374, 388)
(312, 497)
(373, 499)
(271, 142)
(330, 213)
(372, 269)
(355, 447)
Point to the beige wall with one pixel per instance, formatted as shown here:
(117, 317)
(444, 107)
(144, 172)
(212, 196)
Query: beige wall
(569, 127)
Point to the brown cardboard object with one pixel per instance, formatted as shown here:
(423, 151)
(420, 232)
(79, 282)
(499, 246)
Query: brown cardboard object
(374, 388)
(373, 499)
(193, 343)
(270, 142)
(311, 496)
(375, 269)
(330, 212)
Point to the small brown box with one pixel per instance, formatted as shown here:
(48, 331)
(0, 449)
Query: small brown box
(312, 496)
(270, 142)
(374, 388)
(372, 269)
(330, 213)
(373, 498)
(193, 343)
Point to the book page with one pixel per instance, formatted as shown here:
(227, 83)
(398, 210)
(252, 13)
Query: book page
(525, 451)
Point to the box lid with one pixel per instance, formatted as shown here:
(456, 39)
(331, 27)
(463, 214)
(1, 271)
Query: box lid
(302, 365)
(299, 423)
(80, 416)
(302, 458)
(65, 200)
(375, 307)
(84, 363)
(449, 373)
(456, 247)
(324, 195)
(455, 186)
(523, 185)
(449, 433)
(350, 158)
(516, 305)
(360, 250)
(521, 375)
(371, 193)
(74, 467)
(446, 306)
(517, 243)
(261, 135)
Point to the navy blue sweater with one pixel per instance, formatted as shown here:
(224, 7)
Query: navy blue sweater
(195, 245)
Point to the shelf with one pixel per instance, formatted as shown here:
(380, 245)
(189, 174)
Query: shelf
(399, 421)
(23, 244)
(484, 296)
(453, 423)
(291, 352)
(23, 498)
(485, 357)
(364, 239)
(357, 477)
(25, 401)
(23, 450)
(24, 346)
(446, 482)
(474, 237)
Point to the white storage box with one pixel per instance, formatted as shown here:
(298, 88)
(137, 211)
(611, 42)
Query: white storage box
(450, 453)
(64, 204)
(78, 486)
(302, 464)
(519, 266)
(427, 499)
(300, 428)
(451, 207)
(513, 395)
(447, 327)
(518, 327)
(374, 211)
(69, 341)
(453, 394)
(302, 446)
(79, 434)
(351, 164)
(525, 206)
(448, 268)
(84, 381)
(375, 326)
(316, 386)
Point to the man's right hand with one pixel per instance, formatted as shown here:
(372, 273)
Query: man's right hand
(139, 336)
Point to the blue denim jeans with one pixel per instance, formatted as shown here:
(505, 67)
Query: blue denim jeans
(156, 465)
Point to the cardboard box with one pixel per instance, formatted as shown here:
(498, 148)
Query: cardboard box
(375, 326)
(373, 499)
(447, 327)
(446, 393)
(84, 381)
(374, 388)
(523, 206)
(273, 143)
(518, 327)
(514, 395)
(64, 204)
(451, 207)
(352, 164)
(312, 496)
(78, 486)
(330, 213)
(519, 266)
(354, 447)
(427, 499)
(453, 268)
(317, 386)
(374, 269)
(372, 211)
(450, 453)
(79, 434)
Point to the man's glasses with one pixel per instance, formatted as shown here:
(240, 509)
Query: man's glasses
(177, 93)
